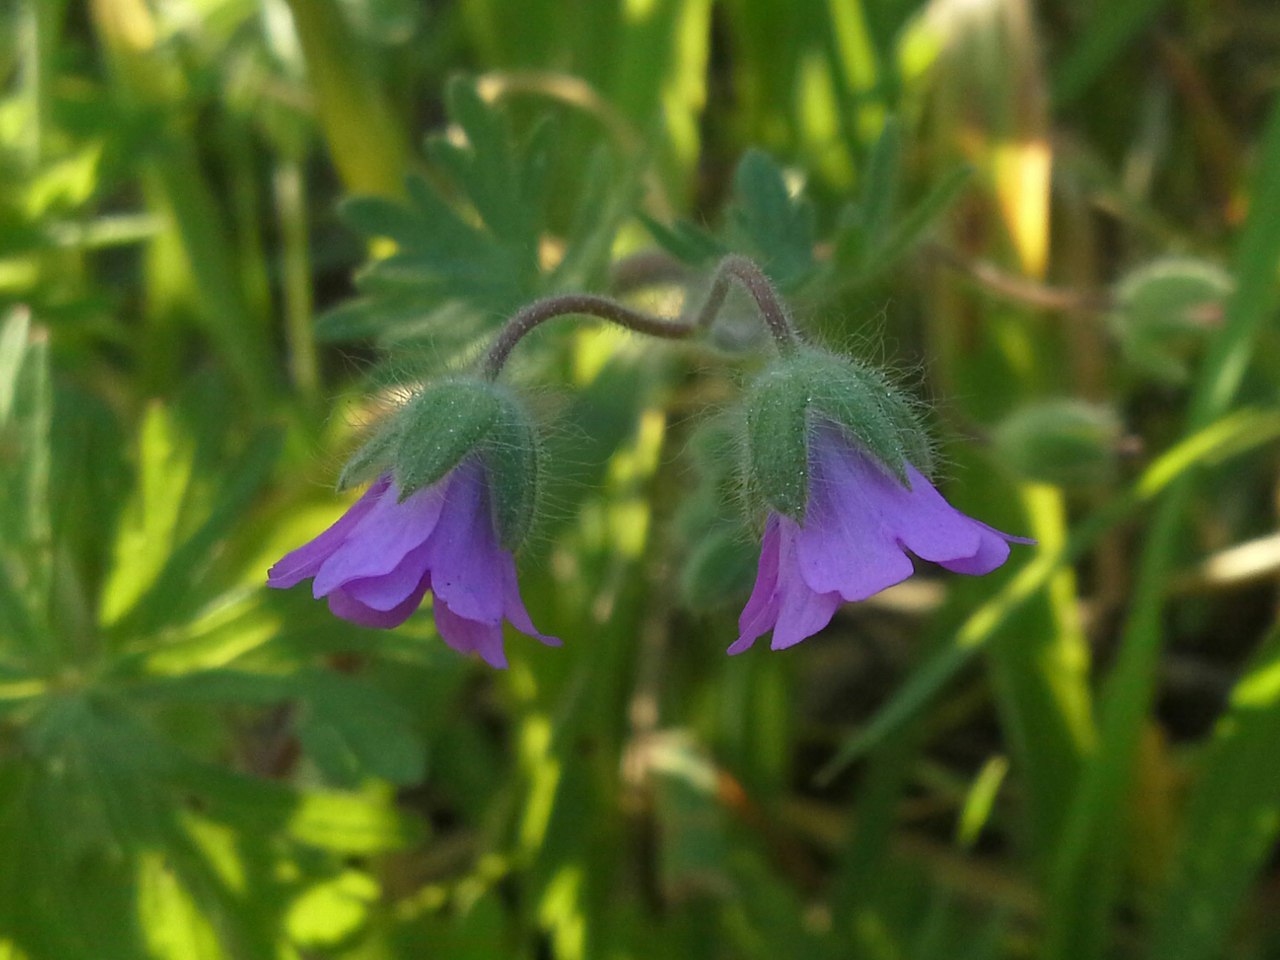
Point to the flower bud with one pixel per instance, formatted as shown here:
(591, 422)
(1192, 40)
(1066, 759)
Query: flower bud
(836, 389)
(441, 426)
(1164, 309)
(1069, 443)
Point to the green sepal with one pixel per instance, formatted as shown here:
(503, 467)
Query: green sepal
(778, 440)
(439, 428)
(812, 384)
(443, 425)
(854, 397)
(513, 459)
(372, 459)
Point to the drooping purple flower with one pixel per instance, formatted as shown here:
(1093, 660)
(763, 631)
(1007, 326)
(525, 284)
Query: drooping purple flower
(858, 526)
(378, 561)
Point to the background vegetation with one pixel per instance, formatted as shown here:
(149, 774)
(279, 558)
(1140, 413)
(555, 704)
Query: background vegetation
(224, 247)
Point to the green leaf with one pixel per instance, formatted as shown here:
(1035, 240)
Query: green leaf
(1064, 442)
(172, 923)
(914, 224)
(504, 185)
(718, 569)
(685, 241)
(602, 209)
(331, 913)
(149, 527)
(1109, 29)
(1231, 824)
(771, 225)
(353, 823)
(695, 848)
(485, 258)
(26, 403)
(353, 731)
(879, 195)
(174, 590)
(864, 225)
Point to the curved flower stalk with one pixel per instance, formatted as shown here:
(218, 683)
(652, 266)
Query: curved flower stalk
(381, 558)
(859, 523)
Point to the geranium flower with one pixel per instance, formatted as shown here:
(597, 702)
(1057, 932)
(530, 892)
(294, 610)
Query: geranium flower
(859, 524)
(378, 561)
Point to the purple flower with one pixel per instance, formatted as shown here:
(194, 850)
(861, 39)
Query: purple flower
(378, 561)
(859, 523)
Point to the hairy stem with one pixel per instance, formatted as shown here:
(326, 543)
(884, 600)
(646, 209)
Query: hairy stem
(588, 304)
(752, 278)
(731, 268)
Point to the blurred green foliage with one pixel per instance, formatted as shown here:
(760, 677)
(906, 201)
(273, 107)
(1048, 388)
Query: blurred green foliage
(234, 232)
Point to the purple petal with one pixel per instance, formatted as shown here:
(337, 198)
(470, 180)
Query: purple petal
(761, 611)
(845, 544)
(463, 553)
(918, 518)
(802, 612)
(929, 526)
(342, 604)
(514, 609)
(382, 539)
(992, 552)
(467, 635)
(391, 589)
(299, 564)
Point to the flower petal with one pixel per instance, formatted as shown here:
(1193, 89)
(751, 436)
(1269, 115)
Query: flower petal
(845, 544)
(463, 553)
(802, 611)
(514, 609)
(299, 564)
(992, 552)
(761, 611)
(342, 604)
(930, 527)
(382, 539)
(470, 636)
(391, 589)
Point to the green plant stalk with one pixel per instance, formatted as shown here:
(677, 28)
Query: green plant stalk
(291, 212)
(37, 25)
(1086, 874)
(650, 62)
(367, 143)
(1039, 665)
(1110, 28)
(1233, 817)
(856, 71)
(175, 181)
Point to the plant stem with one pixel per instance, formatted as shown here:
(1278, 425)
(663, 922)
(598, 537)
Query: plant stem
(731, 268)
(589, 304)
(775, 315)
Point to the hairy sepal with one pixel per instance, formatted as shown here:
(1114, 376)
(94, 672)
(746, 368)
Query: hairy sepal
(513, 458)
(439, 428)
(778, 440)
(787, 400)
(373, 459)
